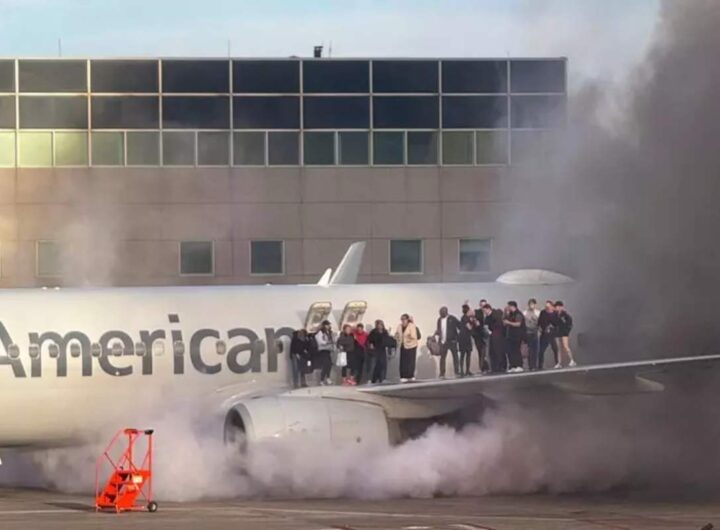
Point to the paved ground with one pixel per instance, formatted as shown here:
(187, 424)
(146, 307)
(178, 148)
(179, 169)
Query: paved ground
(30, 510)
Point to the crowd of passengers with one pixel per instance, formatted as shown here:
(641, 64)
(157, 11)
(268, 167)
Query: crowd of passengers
(497, 336)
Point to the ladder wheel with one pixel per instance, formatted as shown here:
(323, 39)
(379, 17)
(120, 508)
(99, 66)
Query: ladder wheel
(152, 506)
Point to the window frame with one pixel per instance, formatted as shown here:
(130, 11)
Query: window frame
(490, 252)
(282, 260)
(212, 258)
(419, 272)
(38, 243)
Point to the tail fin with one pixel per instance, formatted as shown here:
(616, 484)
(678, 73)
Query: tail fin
(349, 268)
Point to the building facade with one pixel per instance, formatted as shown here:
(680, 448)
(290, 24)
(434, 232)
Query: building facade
(210, 171)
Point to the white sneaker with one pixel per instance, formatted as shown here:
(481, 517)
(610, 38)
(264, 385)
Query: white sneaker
(572, 364)
(519, 369)
(403, 380)
(558, 366)
(328, 382)
(412, 379)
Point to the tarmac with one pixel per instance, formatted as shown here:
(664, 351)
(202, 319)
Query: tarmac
(36, 509)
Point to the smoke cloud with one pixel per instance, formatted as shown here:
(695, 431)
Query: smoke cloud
(625, 198)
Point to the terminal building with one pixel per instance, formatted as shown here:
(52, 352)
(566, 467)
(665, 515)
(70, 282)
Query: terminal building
(227, 171)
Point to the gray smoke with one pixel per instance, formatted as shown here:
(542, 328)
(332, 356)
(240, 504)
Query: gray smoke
(627, 198)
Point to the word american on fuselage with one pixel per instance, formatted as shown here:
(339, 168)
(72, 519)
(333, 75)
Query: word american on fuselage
(242, 353)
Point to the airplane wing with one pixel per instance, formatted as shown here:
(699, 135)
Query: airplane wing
(593, 380)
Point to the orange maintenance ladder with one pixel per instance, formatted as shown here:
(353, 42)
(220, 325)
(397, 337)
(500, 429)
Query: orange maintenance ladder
(129, 486)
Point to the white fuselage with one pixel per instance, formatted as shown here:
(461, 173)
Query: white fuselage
(228, 335)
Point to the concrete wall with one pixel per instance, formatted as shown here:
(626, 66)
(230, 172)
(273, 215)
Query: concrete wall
(123, 226)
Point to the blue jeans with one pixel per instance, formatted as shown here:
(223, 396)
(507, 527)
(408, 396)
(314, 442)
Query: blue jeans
(533, 344)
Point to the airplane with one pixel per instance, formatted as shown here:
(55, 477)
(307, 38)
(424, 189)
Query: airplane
(76, 364)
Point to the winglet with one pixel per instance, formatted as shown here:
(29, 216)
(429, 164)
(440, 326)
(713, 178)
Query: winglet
(324, 280)
(349, 268)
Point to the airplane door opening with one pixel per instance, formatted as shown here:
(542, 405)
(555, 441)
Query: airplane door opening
(353, 313)
(318, 312)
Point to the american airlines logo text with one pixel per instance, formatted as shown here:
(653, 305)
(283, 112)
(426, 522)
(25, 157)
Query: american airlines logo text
(242, 349)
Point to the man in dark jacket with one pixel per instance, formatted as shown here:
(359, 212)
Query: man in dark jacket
(494, 323)
(447, 332)
(514, 323)
(547, 324)
(300, 360)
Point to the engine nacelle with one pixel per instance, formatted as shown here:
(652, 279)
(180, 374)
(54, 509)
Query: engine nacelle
(338, 421)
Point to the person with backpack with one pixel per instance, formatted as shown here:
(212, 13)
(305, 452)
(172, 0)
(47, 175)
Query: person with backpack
(408, 337)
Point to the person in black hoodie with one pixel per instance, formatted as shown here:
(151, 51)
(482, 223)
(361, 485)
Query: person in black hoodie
(447, 331)
(300, 360)
(378, 343)
(514, 323)
(547, 323)
(494, 323)
(564, 326)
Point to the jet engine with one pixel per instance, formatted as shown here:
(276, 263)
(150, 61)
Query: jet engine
(338, 421)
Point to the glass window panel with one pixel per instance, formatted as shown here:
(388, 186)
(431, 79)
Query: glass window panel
(319, 148)
(353, 148)
(124, 76)
(283, 149)
(266, 112)
(405, 256)
(48, 112)
(475, 255)
(249, 148)
(527, 76)
(531, 147)
(49, 262)
(178, 148)
(143, 148)
(405, 76)
(213, 148)
(35, 149)
(334, 112)
(196, 257)
(467, 112)
(7, 148)
(324, 76)
(538, 111)
(262, 77)
(457, 147)
(412, 112)
(422, 147)
(266, 257)
(7, 76)
(52, 76)
(108, 148)
(492, 147)
(463, 76)
(196, 112)
(71, 149)
(125, 112)
(7, 112)
(195, 76)
(388, 148)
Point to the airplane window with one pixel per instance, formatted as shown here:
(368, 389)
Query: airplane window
(158, 348)
(117, 349)
(54, 351)
(179, 347)
(75, 349)
(221, 347)
(34, 351)
(140, 349)
(95, 349)
(13, 351)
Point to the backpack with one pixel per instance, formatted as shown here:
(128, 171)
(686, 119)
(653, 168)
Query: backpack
(417, 332)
